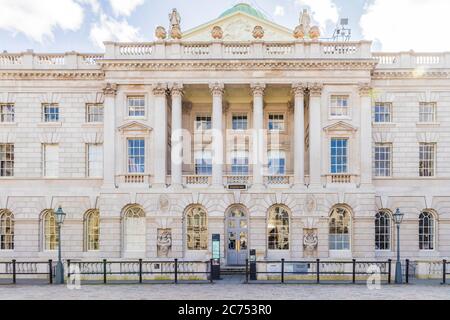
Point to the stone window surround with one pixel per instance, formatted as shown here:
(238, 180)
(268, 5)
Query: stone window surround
(349, 95)
(131, 94)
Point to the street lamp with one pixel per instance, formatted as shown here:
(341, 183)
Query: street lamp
(60, 216)
(398, 218)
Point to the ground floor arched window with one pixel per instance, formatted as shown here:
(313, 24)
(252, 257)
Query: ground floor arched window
(197, 228)
(92, 230)
(426, 231)
(278, 228)
(339, 229)
(50, 231)
(6, 230)
(383, 231)
(134, 229)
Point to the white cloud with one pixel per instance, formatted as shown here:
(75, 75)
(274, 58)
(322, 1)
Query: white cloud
(124, 7)
(94, 4)
(279, 11)
(322, 11)
(110, 29)
(38, 19)
(408, 24)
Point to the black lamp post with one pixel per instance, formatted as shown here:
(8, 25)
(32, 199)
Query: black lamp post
(60, 216)
(398, 218)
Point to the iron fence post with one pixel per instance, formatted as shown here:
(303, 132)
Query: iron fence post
(14, 271)
(282, 270)
(444, 271)
(104, 271)
(140, 270)
(407, 271)
(246, 271)
(318, 270)
(354, 271)
(211, 271)
(50, 271)
(68, 269)
(176, 271)
(389, 270)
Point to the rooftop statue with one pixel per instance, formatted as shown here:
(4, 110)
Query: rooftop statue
(305, 21)
(175, 29)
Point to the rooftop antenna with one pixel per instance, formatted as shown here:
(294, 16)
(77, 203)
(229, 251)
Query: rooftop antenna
(342, 31)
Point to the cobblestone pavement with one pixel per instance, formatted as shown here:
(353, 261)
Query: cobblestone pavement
(225, 291)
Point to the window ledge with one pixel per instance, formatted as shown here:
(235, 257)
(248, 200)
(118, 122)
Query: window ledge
(384, 124)
(49, 124)
(428, 124)
(8, 124)
(92, 125)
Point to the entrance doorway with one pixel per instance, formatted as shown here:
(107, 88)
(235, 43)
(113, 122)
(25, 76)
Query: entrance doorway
(237, 234)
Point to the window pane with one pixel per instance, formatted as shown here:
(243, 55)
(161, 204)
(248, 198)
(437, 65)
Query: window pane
(339, 156)
(95, 160)
(50, 113)
(382, 231)
(6, 230)
(382, 112)
(278, 229)
(136, 156)
(427, 112)
(6, 160)
(383, 160)
(7, 112)
(203, 122)
(197, 229)
(276, 122)
(339, 229)
(136, 106)
(240, 122)
(94, 113)
(427, 159)
(339, 106)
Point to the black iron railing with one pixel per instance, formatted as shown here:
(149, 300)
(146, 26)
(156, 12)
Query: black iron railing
(15, 269)
(445, 271)
(317, 270)
(145, 271)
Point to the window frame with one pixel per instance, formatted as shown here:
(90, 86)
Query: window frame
(142, 156)
(243, 119)
(387, 216)
(88, 160)
(134, 114)
(205, 167)
(47, 117)
(11, 161)
(423, 160)
(5, 216)
(4, 115)
(431, 215)
(384, 115)
(279, 156)
(278, 121)
(345, 156)
(133, 211)
(279, 228)
(331, 107)
(52, 244)
(98, 106)
(199, 230)
(203, 122)
(44, 160)
(424, 115)
(347, 234)
(243, 165)
(87, 231)
(389, 161)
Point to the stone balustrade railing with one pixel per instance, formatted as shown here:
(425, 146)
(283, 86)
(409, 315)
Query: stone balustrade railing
(238, 50)
(341, 178)
(412, 60)
(37, 61)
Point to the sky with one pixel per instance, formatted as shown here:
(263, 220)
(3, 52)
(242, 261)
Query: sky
(83, 25)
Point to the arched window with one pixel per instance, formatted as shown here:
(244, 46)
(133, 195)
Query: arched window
(382, 231)
(92, 230)
(426, 231)
(278, 228)
(134, 229)
(197, 229)
(50, 230)
(6, 230)
(339, 233)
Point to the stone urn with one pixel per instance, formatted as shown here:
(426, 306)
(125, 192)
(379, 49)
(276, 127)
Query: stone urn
(258, 32)
(314, 33)
(299, 32)
(160, 33)
(217, 33)
(175, 33)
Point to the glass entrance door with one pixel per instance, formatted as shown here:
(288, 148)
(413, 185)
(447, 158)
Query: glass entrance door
(237, 233)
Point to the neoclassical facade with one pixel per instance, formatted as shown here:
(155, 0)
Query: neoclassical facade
(291, 145)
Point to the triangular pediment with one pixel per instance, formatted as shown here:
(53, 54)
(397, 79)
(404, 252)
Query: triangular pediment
(340, 126)
(135, 126)
(238, 26)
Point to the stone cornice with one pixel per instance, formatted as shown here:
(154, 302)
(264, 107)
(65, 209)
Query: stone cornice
(410, 74)
(52, 75)
(207, 65)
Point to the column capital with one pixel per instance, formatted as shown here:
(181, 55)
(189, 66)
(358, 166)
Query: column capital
(176, 89)
(364, 89)
(298, 89)
(110, 89)
(159, 89)
(315, 89)
(217, 88)
(258, 89)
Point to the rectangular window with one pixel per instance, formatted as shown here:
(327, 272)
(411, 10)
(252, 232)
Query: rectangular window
(50, 160)
(427, 155)
(339, 155)
(339, 106)
(94, 113)
(383, 112)
(277, 164)
(136, 106)
(136, 156)
(427, 112)
(95, 160)
(239, 163)
(276, 122)
(240, 122)
(203, 122)
(7, 112)
(203, 163)
(6, 160)
(50, 113)
(383, 160)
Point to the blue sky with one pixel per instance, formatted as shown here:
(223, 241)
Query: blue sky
(82, 25)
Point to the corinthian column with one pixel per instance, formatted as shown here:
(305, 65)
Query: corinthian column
(298, 90)
(315, 134)
(109, 133)
(160, 136)
(177, 136)
(217, 91)
(366, 133)
(258, 134)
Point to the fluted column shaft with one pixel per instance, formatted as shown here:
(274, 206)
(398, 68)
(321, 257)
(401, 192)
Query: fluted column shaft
(258, 134)
(177, 136)
(217, 91)
(299, 134)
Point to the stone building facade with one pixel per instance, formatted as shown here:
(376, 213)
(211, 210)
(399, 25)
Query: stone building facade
(350, 135)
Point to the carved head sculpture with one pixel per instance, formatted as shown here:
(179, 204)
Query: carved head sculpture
(299, 32)
(258, 32)
(160, 33)
(314, 33)
(175, 33)
(217, 33)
